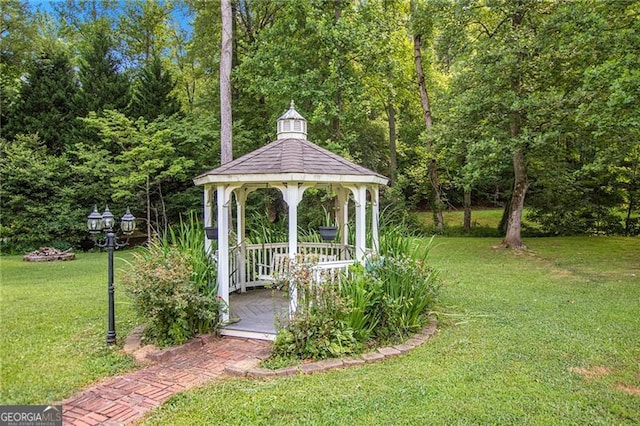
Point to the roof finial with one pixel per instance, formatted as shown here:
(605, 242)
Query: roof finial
(292, 125)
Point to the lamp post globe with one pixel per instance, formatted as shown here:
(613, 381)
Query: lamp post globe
(128, 223)
(94, 221)
(108, 221)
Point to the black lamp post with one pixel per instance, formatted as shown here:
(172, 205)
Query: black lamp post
(97, 222)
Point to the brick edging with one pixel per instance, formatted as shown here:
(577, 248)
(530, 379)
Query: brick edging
(249, 368)
(134, 347)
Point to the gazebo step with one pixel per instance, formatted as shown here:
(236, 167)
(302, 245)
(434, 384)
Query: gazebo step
(225, 331)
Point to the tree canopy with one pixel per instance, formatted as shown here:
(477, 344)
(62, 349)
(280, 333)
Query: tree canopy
(532, 106)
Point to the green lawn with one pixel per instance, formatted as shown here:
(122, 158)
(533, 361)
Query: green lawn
(53, 322)
(547, 336)
(482, 217)
(484, 222)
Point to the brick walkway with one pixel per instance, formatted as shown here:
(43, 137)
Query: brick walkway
(128, 398)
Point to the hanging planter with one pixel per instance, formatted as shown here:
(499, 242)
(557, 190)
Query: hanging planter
(328, 233)
(212, 232)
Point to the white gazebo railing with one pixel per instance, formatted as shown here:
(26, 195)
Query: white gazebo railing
(245, 261)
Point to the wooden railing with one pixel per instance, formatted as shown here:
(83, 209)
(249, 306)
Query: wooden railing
(245, 261)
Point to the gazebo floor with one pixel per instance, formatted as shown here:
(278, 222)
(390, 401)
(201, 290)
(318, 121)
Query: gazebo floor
(254, 314)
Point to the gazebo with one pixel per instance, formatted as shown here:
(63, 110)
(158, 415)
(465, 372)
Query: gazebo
(291, 164)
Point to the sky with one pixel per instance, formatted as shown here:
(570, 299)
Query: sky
(180, 14)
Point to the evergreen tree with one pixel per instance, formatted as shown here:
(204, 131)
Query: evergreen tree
(36, 208)
(16, 35)
(47, 103)
(104, 85)
(152, 93)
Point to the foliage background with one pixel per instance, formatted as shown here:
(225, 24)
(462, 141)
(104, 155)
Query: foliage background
(118, 103)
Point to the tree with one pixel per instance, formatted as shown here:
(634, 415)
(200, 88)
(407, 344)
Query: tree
(48, 99)
(103, 82)
(499, 87)
(423, 25)
(226, 54)
(312, 52)
(145, 31)
(16, 38)
(593, 186)
(152, 92)
(147, 161)
(384, 69)
(33, 190)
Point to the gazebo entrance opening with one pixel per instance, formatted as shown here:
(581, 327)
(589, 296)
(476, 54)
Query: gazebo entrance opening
(292, 165)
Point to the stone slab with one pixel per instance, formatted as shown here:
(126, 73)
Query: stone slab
(372, 356)
(389, 351)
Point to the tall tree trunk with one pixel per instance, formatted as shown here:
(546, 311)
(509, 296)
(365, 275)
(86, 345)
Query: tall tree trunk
(234, 34)
(422, 86)
(504, 220)
(165, 219)
(513, 237)
(627, 219)
(393, 162)
(335, 121)
(426, 110)
(226, 54)
(467, 209)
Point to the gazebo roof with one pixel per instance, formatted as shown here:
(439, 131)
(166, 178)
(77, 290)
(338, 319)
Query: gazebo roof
(291, 159)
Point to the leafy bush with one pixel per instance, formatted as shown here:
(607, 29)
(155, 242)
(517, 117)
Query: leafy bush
(385, 300)
(361, 295)
(172, 284)
(319, 328)
(404, 290)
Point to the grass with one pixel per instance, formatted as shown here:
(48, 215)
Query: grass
(53, 322)
(484, 223)
(545, 336)
(489, 218)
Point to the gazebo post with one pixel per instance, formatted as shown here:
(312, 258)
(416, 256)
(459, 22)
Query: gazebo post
(223, 248)
(375, 217)
(360, 196)
(224, 200)
(208, 217)
(292, 199)
(292, 194)
(241, 201)
(343, 215)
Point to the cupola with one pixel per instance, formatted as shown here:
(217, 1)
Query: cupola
(291, 125)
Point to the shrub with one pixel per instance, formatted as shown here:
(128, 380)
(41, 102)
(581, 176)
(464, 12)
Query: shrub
(173, 286)
(406, 288)
(383, 301)
(319, 328)
(362, 296)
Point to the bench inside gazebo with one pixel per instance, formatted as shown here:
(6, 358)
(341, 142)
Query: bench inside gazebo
(291, 164)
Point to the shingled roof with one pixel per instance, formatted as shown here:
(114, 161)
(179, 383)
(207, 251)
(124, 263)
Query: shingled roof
(292, 156)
